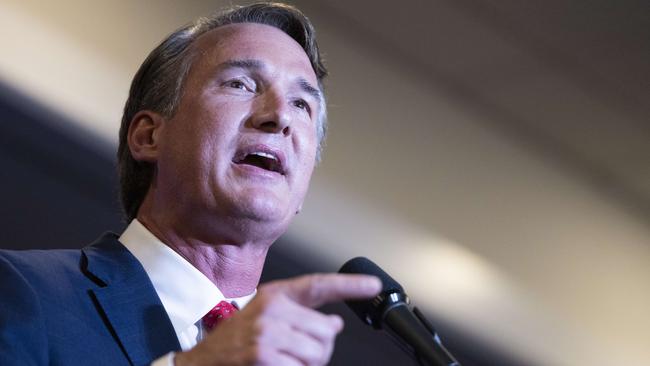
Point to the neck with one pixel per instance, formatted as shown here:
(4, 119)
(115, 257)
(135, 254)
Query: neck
(234, 266)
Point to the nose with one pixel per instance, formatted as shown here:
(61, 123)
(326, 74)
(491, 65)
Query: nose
(272, 113)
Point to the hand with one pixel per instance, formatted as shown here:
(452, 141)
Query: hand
(280, 327)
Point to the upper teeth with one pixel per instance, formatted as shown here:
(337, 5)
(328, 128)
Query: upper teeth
(264, 155)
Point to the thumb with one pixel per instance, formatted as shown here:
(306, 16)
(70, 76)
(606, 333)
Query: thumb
(315, 290)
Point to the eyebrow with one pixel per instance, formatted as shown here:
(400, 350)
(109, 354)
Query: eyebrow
(310, 89)
(242, 64)
(252, 64)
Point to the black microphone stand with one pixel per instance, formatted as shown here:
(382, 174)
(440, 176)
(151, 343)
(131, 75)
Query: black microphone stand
(415, 334)
(451, 361)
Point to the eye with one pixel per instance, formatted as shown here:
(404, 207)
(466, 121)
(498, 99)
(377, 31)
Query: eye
(244, 85)
(301, 104)
(237, 84)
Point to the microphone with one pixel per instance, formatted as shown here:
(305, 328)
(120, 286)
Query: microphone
(390, 311)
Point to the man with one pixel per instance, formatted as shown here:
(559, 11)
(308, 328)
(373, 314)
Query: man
(219, 138)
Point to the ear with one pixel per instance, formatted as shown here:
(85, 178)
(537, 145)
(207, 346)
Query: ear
(145, 135)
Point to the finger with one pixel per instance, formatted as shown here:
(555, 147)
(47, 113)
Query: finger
(314, 323)
(301, 346)
(325, 335)
(318, 289)
(329, 348)
(274, 357)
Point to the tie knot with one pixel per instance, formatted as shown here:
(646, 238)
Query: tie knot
(219, 313)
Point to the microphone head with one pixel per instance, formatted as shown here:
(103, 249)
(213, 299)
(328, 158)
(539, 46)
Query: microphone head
(363, 265)
(372, 311)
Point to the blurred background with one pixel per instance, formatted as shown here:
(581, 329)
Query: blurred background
(493, 156)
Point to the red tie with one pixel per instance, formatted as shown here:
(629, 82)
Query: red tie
(219, 313)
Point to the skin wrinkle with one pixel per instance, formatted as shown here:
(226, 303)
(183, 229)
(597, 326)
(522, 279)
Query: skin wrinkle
(235, 219)
(315, 91)
(217, 258)
(254, 65)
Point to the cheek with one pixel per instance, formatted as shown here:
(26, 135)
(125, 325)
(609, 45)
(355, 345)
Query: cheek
(306, 149)
(191, 148)
(306, 169)
(306, 141)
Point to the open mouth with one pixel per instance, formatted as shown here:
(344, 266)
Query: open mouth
(266, 160)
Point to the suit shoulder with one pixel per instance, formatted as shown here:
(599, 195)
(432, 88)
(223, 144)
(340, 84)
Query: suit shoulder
(53, 264)
(22, 334)
(33, 264)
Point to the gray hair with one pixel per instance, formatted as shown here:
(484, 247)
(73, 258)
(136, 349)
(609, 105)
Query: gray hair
(158, 83)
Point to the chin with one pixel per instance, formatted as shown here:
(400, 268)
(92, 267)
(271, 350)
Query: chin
(264, 207)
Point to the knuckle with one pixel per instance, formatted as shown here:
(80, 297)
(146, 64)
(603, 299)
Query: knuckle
(315, 287)
(282, 304)
(260, 355)
(319, 355)
(267, 300)
(317, 279)
(312, 354)
(335, 324)
(264, 295)
(262, 326)
(330, 336)
(327, 350)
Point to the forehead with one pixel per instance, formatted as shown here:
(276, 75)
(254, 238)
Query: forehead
(265, 43)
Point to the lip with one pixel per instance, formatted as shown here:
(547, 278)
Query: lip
(242, 152)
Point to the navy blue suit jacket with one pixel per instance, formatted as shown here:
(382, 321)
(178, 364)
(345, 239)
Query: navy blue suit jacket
(94, 306)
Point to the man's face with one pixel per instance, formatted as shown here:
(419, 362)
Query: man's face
(242, 143)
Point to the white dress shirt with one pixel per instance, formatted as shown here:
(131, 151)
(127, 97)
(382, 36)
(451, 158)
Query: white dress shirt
(185, 292)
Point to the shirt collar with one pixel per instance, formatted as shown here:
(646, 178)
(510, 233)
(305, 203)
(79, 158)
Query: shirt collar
(185, 292)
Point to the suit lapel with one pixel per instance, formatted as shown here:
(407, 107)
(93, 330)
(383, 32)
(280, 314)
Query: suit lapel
(128, 301)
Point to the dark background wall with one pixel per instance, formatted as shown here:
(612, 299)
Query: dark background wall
(57, 191)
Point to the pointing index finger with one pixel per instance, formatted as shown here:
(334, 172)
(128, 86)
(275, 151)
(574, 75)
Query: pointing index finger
(318, 289)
